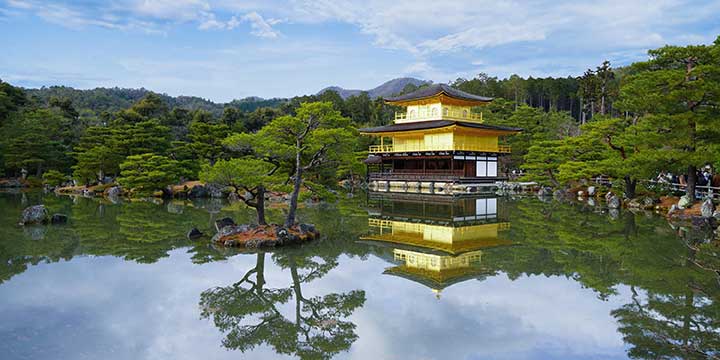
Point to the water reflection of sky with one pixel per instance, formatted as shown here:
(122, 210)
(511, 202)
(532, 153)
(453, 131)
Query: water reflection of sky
(105, 307)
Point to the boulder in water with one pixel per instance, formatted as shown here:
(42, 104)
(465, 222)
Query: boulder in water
(707, 208)
(11, 183)
(37, 214)
(214, 191)
(591, 191)
(194, 233)
(613, 202)
(703, 222)
(114, 191)
(58, 219)
(306, 228)
(649, 202)
(198, 191)
(263, 236)
(608, 196)
(224, 222)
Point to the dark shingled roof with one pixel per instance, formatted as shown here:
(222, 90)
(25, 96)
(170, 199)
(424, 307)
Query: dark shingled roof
(435, 89)
(434, 124)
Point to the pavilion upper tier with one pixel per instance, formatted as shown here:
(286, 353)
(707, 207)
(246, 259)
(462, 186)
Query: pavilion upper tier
(438, 102)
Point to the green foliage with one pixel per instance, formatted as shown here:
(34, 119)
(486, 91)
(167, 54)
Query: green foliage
(146, 173)
(240, 173)
(675, 96)
(97, 154)
(53, 178)
(206, 140)
(11, 100)
(37, 140)
(549, 94)
(537, 125)
(313, 143)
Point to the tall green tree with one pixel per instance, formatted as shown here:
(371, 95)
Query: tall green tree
(250, 174)
(206, 140)
(145, 173)
(97, 154)
(317, 138)
(675, 96)
(38, 140)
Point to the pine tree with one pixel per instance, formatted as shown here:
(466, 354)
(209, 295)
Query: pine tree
(145, 173)
(675, 97)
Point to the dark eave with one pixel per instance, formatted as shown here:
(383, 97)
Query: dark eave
(435, 124)
(437, 89)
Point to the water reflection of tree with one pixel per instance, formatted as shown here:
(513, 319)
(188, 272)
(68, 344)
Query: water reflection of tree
(680, 321)
(674, 312)
(670, 326)
(249, 315)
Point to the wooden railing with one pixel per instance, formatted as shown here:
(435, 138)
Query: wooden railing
(375, 149)
(416, 175)
(704, 190)
(449, 115)
(701, 190)
(379, 223)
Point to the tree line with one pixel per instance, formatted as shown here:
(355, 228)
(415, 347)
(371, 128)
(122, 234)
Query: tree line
(664, 118)
(628, 124)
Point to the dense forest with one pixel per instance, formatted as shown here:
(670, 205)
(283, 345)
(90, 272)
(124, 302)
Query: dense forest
(628, 124)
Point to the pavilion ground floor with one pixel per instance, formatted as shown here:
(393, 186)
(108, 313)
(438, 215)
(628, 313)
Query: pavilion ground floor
(434, 172)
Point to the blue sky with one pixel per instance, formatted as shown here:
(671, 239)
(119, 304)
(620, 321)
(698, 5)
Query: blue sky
(223, 50)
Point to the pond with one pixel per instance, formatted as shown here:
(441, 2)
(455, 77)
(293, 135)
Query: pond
(391, 278)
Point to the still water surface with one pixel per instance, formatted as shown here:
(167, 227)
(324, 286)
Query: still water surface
(392, 278)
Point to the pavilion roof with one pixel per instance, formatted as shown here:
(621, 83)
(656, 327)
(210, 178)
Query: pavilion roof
(438, 89)
(435, 124)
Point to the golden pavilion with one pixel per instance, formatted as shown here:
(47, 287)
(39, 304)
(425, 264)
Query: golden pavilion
(436, 243)
(438, 144)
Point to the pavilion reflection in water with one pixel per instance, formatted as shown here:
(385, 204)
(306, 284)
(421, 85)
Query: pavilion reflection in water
(436, 241)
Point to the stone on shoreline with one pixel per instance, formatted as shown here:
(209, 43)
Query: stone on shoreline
(644, 202)
(11, 183)
(707, 208)
(684, 202)
(613, 202)
(591, 191)
(114, 191)
(198, 191)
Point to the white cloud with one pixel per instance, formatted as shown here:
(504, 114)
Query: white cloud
(176, 10)
(261, 27)
(434, 40)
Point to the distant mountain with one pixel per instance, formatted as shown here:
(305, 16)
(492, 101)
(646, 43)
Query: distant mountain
(389, 88)
(98, 100)
(113, 99)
